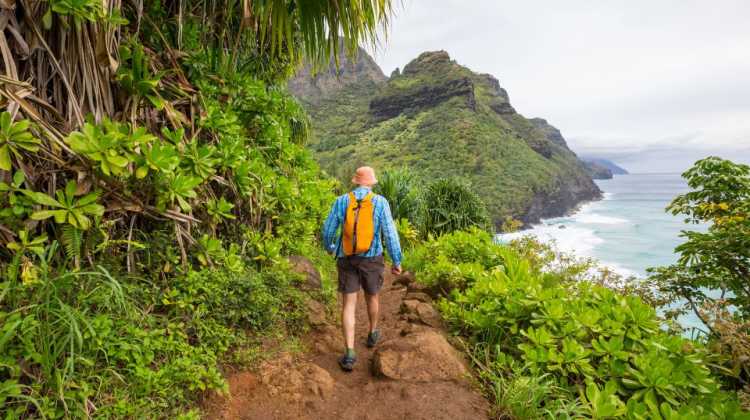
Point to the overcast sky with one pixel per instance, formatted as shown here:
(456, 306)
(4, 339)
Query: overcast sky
(653, 84)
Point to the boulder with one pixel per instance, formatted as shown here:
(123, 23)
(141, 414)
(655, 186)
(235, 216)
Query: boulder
(404, 279)
(316, 313)
(421, 312)
(420, 288)
(305, 267)
(290, 380)
(424, 356)
(420, 296)
(319, 381)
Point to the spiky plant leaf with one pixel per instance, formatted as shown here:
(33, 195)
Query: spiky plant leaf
(72, 240)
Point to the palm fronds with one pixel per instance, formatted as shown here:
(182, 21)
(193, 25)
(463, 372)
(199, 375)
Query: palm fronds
(322, 26)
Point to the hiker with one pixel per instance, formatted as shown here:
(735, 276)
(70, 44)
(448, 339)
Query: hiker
(363, 216)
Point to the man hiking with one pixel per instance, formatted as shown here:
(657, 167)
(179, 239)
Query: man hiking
(363, 216)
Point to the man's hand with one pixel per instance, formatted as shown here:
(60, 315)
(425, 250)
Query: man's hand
(396, 270)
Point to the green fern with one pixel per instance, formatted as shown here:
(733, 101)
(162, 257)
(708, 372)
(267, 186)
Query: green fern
(72, 240)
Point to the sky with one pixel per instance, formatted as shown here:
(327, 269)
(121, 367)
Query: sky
(653, 85)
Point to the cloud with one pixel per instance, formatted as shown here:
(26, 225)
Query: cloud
(631, 76)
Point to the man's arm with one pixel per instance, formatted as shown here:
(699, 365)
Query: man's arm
(390, 234)
(331, 225)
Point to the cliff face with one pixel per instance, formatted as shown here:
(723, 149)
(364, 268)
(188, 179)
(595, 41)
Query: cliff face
(597, 171)
(312, 87)
(440, 119)
(612, 167)
(551, 133)
(391, 106)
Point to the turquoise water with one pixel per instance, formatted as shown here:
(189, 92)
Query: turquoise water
(628, 230)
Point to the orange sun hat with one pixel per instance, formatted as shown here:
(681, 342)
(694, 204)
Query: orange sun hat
(364, 175)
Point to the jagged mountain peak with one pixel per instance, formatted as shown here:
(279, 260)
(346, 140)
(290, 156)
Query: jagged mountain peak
(441, 119)
(430, 61)
(312, 87)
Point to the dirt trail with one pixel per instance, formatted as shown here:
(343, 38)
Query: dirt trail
(412, 374)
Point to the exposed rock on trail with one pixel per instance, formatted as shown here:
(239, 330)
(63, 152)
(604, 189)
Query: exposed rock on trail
(414, 373)
(422, 356)
(419, 311)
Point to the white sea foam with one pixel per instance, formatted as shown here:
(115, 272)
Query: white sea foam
(571, 234)
(574, 240)
(598, 219)
(587, 214)
(617, 268)
(570, 239)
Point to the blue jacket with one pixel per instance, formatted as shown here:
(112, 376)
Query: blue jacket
(383, 223)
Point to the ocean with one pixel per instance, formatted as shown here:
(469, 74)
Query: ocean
(628, 230)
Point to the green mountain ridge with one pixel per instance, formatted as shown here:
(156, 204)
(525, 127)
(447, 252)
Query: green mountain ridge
(441, 119)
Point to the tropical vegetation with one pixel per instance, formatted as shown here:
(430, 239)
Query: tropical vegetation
(555, 336)
(441, 206)
(154, 178)
(439, 119)
(711, 276)
(552, 341)
(133, 137)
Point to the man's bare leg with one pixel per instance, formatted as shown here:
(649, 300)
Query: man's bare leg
(373, 310)
(348, 310)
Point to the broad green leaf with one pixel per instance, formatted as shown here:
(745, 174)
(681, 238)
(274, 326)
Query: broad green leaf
(5, 163)
(45, 214)
(42, 198)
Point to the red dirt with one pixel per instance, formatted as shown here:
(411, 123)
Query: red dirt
(300, 389)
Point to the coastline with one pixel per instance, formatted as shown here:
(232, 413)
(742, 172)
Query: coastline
(572, 211)
(570, 233)
(626, 229)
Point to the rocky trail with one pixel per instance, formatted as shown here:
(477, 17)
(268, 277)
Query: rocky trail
(413, 373)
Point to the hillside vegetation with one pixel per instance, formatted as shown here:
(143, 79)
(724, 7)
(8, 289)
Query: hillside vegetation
(553, 339)
(153, 179)
(439, 119)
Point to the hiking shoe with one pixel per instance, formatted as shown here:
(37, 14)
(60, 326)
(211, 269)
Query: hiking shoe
(373, 338)
(347, 362)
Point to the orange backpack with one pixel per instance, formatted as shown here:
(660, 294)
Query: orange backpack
(359, 229)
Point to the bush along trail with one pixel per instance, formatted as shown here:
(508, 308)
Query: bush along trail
(153, 179)
(413, 373)
(552, 339)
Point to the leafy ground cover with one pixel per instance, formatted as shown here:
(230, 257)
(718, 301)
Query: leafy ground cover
(549, 344)
(153, 179)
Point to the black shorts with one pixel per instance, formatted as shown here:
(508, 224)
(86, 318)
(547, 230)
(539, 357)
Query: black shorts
(366, 272)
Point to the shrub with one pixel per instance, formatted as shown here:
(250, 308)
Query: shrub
(407, 234)
(718, 259)
(712, 272)
(607, 349)
(448, 205)
(128, 345)
(400, 188)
